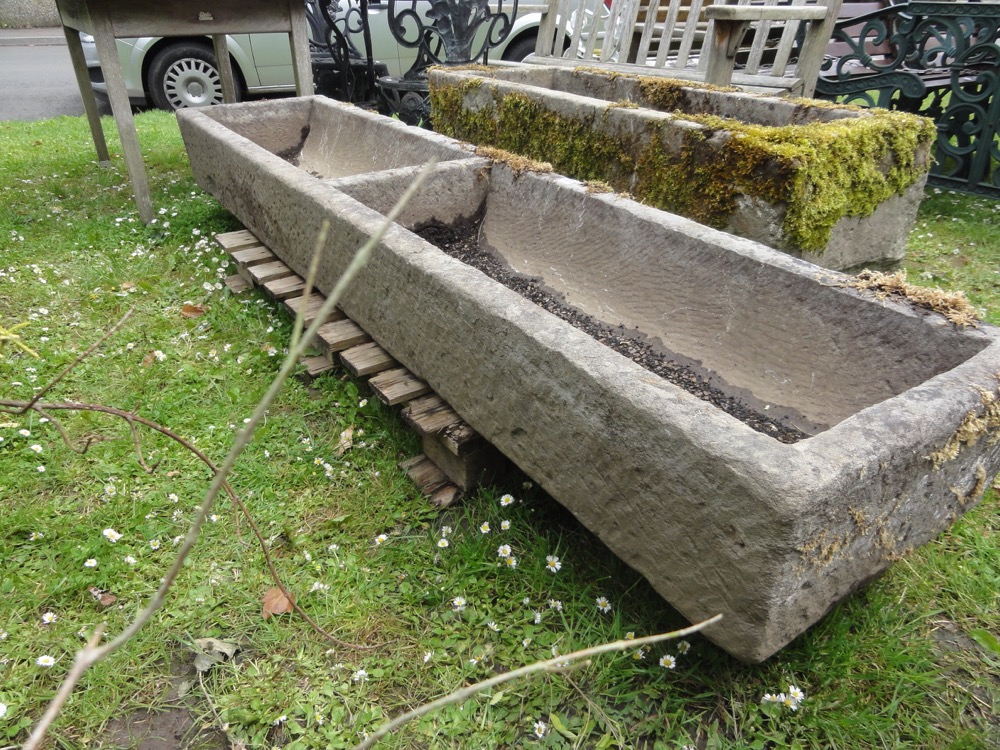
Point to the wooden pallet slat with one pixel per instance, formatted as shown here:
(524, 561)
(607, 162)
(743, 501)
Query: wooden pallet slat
(310, 307)
(367, 359)
(429, 415)
(252, 256)
(282, 289)
(268, 271)
(232, 241)
(339, 335)
(398, 386)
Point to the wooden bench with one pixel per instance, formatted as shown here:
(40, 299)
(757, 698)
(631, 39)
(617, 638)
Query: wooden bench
(759, 45)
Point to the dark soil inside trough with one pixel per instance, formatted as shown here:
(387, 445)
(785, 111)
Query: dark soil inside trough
(461, 241)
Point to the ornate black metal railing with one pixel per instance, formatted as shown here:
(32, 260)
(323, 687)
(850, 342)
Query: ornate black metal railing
(937, 59)
(340, 37)
(450, 32)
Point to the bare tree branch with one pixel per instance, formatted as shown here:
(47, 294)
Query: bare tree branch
(82, 356)
(550, 665)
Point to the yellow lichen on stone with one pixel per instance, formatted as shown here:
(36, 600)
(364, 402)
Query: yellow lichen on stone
(975, 425)
(952, 305)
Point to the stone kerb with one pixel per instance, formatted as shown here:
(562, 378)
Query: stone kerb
(835, 186)
(718, 517)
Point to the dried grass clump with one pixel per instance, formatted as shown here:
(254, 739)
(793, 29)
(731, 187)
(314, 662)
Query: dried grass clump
(974, 425)
(953, 305)
(518, 164)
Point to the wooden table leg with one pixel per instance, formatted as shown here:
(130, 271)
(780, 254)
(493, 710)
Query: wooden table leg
(86, 92)
(221, 46)
(108, 52)
(298, 38)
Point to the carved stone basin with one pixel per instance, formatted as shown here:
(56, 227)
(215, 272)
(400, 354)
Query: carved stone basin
(718, 516)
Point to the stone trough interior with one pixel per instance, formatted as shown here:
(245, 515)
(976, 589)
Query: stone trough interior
(724, 315)
(668, 95)
(321, 146)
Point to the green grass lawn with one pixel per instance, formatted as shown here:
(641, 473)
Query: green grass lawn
(910, 662)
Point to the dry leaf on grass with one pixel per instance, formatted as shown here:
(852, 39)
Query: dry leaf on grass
(192, 311)
(104, 598)
(211, 651)
(276, 603)
(345, 442)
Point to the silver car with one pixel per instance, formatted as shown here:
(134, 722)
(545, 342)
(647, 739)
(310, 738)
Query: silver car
(175, 72)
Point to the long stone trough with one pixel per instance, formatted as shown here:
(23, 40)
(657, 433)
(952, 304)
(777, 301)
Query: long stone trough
(837, 186)
(895, 406)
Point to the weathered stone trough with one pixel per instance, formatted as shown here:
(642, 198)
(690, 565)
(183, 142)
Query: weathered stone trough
(719, 517)
(839, 187)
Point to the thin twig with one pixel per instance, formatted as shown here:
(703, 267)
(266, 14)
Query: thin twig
(80, 664)
(69, 368)
(600, 711)
(137, 442)
(300, 317)
(548, 665)
(89, 656)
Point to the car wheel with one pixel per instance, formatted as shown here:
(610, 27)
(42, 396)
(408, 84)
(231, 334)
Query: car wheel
(185, 75)
(520, 49)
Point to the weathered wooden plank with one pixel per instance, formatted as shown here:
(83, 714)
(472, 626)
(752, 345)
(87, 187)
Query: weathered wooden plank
(339, 335)
(430, 480)
(479, 463)
(267, 271)
(367, 359)
(316, 366)
(281, 289)
(429, 415)
(237, 283)
(311, 306)
(398, 386)
(252, 256)
(238, 240)
(460, 439)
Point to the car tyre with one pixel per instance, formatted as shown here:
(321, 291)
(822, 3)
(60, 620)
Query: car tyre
(520, 49)
(185, 75)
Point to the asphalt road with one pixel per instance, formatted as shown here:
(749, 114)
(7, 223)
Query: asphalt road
(37, 82)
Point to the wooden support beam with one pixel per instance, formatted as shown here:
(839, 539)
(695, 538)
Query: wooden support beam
(339, 335)
(478, 463)
(316, 366)
(367, 359)
(398, 386)
(430, 480)
(237, 283)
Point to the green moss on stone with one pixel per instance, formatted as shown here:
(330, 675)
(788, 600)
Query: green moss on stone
(820, 171)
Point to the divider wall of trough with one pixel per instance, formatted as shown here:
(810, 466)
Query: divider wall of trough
(718, 517)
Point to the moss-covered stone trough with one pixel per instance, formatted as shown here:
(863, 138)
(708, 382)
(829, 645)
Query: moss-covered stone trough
(898, 404)
(836, 186)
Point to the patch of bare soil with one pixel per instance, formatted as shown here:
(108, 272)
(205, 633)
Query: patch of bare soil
(461, 241)
(161, 730)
